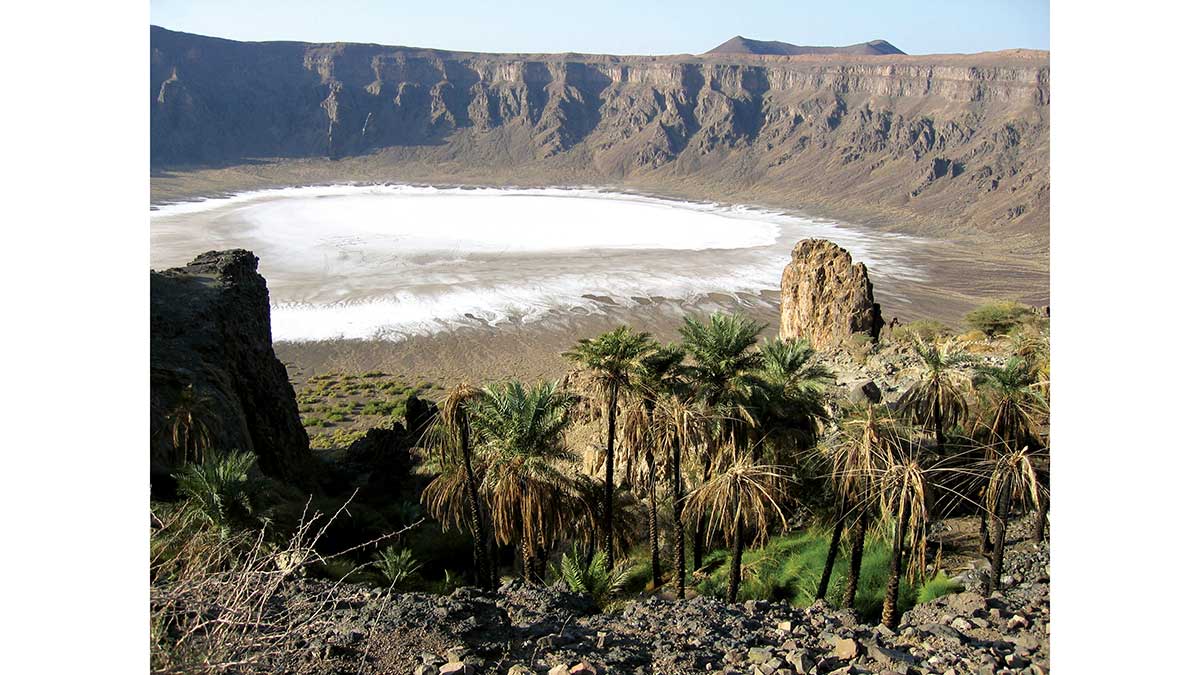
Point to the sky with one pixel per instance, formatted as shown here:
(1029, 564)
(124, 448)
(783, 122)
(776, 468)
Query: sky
(619, 26)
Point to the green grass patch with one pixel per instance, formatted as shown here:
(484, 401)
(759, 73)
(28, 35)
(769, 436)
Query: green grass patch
(937, 587)
(789, 568)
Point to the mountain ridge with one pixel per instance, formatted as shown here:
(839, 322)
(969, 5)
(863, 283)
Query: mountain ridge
(953, 145)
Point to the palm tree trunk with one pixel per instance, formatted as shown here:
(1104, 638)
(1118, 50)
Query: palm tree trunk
(608, 477)
(1043, 513)
(891, 597)
(939, 434)
(856, 556)
(698, 540)
(527, 564)
(482, 568)
(1000, 527)
(985, 542)
(494, 556)
(655, 562)
(541, 557)
(677, 520)
(831, 557)
(735, 565)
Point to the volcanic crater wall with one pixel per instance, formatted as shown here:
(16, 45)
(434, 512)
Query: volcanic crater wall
(958, 140)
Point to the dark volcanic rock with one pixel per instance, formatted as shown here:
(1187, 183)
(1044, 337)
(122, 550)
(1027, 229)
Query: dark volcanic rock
(525, 629)
(210, 329)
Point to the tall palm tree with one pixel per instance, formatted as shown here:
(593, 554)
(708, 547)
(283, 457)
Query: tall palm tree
(938, 398)
(867, 440)
(610, 359)
(681, 428)
(788, 395)
(740, 502)
(522, 433)
(454, 429)
(1014, 410)
(654, 375)
(903, 499)
(1015, 407)
(585, 492)
(722, 370)
(1012, 475)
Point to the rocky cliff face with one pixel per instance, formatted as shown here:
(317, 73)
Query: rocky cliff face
(210, 330)
(826, 297)
(947, 140)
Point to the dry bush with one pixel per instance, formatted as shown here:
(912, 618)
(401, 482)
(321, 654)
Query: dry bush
(228, 602)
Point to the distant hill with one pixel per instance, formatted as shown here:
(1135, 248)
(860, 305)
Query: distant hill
(741, 45)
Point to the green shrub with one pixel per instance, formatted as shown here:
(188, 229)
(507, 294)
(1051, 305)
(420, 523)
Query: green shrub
(339, 569)
(396, 566)
(998, 318)
(937, 587)
(860, 346)
(924, 329)
(217, 491)
(593, 577)
(336, 439)
(641, 570)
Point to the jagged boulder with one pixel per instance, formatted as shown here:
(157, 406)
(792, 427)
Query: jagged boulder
(210, 342)
(826, 296)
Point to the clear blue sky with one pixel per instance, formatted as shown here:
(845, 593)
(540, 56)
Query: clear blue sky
(620, 26)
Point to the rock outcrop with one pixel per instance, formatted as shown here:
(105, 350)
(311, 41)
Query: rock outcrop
(210, 332)
(826, 297)
(945, 143)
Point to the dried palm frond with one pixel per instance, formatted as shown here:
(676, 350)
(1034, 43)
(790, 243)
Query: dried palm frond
(904, 495)
(745, 495)
(1017, 470)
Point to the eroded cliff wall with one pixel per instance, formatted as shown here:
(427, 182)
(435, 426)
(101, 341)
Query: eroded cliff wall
(210, 331)
(955, 141)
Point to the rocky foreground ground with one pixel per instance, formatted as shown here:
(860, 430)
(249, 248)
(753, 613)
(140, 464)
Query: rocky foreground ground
(525, 629)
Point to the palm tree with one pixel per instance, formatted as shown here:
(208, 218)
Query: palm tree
(610, 358)
(585, 493)
(722, 370)
(739, 502)
(1014, 411)
(680, 428)
(1012, 474)
(1015, 407)
(653, 376)
(903, 498)
(454, 422)
(521, 432)
(867, 440)
(191, 424)
(938, 399)
(788, 394)
(217, 491)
